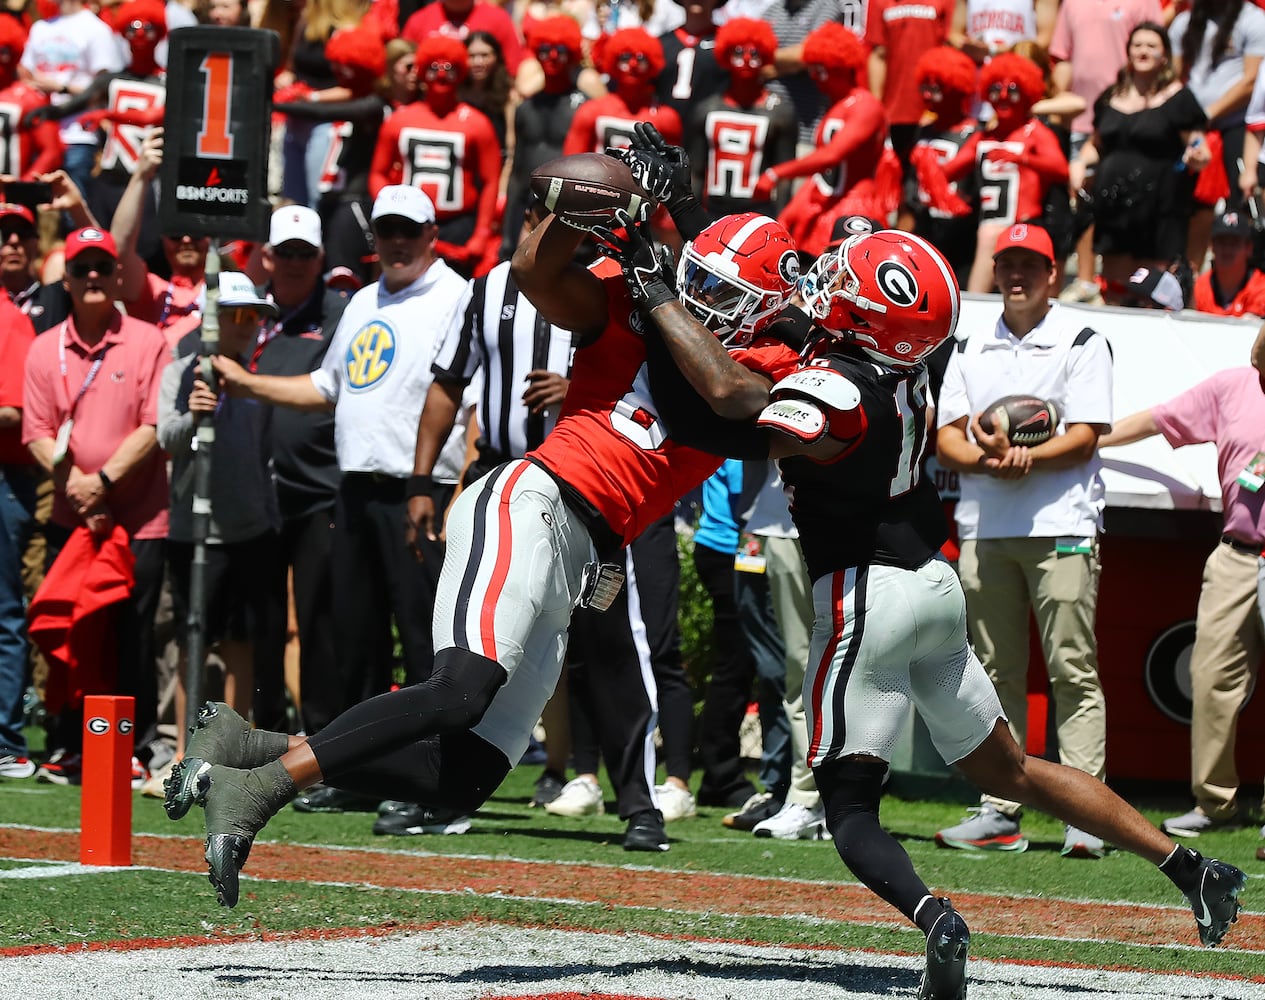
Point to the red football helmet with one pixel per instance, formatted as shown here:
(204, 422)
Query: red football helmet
(737, 274)
(891, 292)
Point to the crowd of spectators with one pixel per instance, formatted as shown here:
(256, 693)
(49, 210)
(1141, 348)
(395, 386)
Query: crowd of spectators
(1129, 131)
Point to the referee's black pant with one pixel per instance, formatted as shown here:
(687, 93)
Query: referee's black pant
(377, 579)
(625, 661)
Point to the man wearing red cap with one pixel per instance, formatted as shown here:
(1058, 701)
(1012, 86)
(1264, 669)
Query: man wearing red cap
(90, 418)
(1029, 517)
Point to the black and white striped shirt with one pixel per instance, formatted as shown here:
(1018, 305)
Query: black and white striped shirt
(502, 334)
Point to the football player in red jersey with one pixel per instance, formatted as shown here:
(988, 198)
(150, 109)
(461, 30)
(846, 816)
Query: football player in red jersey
(448, 149)
(31, 144)
(526, 544)
(849, 173)
(736, 135)
(1016, 159)
(850, 426)
(632, 59)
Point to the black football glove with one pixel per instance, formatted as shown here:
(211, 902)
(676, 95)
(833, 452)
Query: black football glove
(649, 272)
(663, 172)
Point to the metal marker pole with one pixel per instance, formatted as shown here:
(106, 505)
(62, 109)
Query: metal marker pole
(203, 440)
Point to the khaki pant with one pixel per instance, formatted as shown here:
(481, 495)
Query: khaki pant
(1003, 578)
(792, 595)
(1223, 668)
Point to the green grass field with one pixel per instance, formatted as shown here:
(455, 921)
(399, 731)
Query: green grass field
(143, 904)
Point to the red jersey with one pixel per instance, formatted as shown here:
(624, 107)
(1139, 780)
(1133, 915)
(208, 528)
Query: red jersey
(607, 121)
(121, 151)
(26, 152)
(452, 158)
(618, 454)
(905, 31)
(1248, 301)
(1010, 190)
(434, 19)
(16, 334)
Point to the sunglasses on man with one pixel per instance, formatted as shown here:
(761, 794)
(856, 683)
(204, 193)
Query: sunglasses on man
(23, 233)
(295, 253)
(395, 228)
(84, 268)
(240, 314)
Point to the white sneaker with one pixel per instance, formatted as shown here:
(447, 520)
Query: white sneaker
(1080, 290)
(675, 802)
(13, 766)
(794, 822)
(580, 797)
(154, 787)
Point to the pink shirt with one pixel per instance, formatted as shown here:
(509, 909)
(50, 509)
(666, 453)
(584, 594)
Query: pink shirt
(122, 396)
(1227, 410)
(1092, 35)
(174, 306)
(434, 20)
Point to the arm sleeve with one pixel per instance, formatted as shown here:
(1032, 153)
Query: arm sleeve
(326, 377)
(15, 342)
(1191, 417)
(1089, 383)
(457, 358)
(175, 422)
(151, 378)
(953, 403)
(40, 414)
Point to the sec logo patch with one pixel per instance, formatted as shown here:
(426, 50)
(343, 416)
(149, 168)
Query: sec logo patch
(369, 355)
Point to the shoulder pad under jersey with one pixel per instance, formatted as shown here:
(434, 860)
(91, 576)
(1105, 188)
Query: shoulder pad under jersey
(820, 384)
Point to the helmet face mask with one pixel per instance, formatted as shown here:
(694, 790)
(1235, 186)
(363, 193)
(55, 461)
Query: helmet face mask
(736, 275)
(890, 292)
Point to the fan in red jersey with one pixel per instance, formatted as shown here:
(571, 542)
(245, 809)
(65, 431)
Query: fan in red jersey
(448, 149)
(33, 147)
(1016, 159)
(849, 173)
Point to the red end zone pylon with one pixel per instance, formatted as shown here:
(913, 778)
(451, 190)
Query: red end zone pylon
(105, 820)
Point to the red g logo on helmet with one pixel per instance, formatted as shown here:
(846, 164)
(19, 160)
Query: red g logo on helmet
(891, 292)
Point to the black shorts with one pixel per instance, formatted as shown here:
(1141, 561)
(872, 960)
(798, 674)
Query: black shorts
(238, 579)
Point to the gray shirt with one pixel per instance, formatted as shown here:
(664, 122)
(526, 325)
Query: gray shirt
(243, 500)
(1209, 82)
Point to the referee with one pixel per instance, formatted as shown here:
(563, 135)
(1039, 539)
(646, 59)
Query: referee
(374, 376)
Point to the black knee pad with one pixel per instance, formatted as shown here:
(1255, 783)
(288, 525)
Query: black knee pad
(461, 686)
(849, 786)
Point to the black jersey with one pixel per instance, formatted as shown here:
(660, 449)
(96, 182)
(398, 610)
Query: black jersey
(690, 72)
(954, 236)
(731, 146)
(872, 505)
(541, 124)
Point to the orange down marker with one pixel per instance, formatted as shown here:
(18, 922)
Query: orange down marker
(105, 820)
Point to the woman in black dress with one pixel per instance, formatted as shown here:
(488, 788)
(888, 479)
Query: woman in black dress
(1146, 148)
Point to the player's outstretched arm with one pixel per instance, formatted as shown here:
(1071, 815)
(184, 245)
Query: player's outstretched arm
(565, 293)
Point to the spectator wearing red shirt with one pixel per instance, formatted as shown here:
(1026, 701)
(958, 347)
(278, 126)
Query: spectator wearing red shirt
(457, 18)
(90, 419)
(17, 516)
(898, 33)
(1233, 286)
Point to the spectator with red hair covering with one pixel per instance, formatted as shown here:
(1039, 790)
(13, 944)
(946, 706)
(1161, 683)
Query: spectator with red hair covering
(848, 173)
(940, 211)
(1016, 159)
(738, 134)
(38, 149)
(448, 149)
(632, 59)
(542, 120)
(358, 59)
(457, 18)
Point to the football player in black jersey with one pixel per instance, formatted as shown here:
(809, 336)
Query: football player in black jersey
(850, 427)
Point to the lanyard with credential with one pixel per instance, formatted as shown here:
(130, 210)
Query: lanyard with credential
(62, 444)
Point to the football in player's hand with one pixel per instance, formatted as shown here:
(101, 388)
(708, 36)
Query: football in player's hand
(585, 190)
(1025, 420)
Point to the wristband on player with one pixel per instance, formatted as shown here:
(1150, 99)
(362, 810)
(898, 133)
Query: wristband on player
(419, 486)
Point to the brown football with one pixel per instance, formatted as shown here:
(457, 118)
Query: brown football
(585, 189)
(1025, 420)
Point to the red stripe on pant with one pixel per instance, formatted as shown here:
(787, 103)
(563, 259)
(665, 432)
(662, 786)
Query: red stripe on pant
(827, 658)
(501, 568)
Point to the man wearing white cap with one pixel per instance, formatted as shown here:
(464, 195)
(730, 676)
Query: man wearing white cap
(242, 547)
(305, 469)
(374, 377)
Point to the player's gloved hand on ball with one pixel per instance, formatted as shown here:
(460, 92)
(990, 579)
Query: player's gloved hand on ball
(647, 270)
(663, 172)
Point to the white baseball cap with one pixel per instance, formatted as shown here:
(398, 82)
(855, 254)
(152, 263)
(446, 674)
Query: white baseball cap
(238, 291)
(404, 200)
(295, 222)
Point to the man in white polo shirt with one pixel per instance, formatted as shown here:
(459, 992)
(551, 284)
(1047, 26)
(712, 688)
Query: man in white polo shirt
(1029, 517)
(374, 376)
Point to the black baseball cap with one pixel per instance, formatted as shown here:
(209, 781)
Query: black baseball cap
(1236, 223)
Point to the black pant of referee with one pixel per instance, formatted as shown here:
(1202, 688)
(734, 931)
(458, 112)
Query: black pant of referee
(376, 579)
(624, 661)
